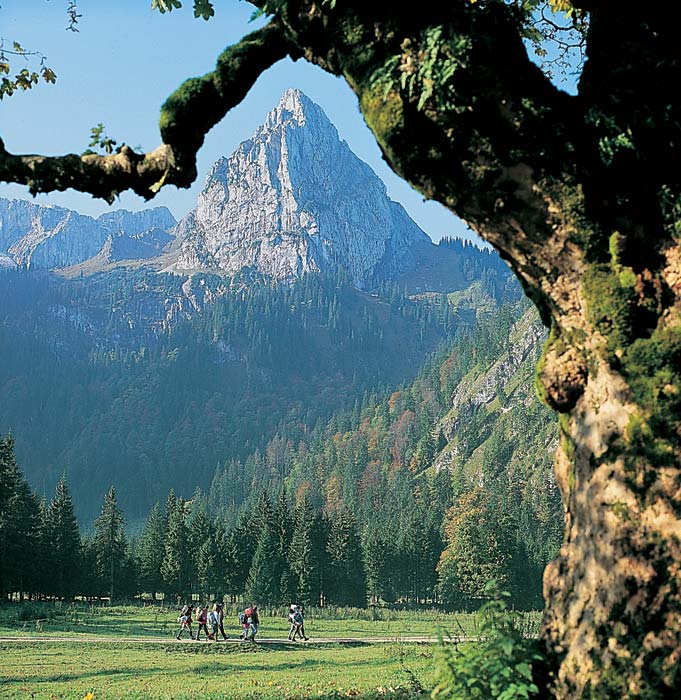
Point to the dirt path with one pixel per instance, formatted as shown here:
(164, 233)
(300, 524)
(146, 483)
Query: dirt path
(86, 639)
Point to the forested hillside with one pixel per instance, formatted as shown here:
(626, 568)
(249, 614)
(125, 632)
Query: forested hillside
(420, 494)
(149, 380)
(465, 450)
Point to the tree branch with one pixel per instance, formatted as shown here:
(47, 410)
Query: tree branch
(186, 117)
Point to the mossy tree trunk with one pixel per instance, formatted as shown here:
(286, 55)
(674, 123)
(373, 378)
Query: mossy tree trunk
(571, 191)
(582, 196)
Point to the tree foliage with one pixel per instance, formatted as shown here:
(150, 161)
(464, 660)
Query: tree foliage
(109, 541)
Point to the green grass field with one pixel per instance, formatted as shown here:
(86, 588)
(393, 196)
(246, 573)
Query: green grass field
(55, 619)
(65, 670)
(68, 671)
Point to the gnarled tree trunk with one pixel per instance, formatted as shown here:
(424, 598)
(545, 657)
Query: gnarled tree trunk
(572, 192)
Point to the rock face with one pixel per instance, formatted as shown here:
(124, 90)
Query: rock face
(135, 223)
(502, 392)
(294, 198)
(119, 246)
(6, 262)
(36, 236)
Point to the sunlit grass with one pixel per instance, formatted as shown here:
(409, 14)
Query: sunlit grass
(55, 619)
(168, 670)
(68, 671)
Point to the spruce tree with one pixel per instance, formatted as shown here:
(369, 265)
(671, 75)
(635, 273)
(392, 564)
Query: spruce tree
(225, 562)
(63, 543)
(302, 553)
(236, 555)
(283, 516)
(43, 574)
(204, 568)
(264, 574)
(7, 493)
(262, 584)
(176, 565)
(90, 584)
(19, 525)
(24, 526)
(110, 542)
(171, 505)
(150, 551)
(377, 561)
(347, 580)
(199, 531)
(7, 461)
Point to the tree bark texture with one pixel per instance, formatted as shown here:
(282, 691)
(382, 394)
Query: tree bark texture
(582, 196)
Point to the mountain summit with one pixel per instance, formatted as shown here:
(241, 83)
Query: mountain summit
(294, 198)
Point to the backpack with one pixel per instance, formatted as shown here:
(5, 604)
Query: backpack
(297, 617)
(212, 618)
(242, 618)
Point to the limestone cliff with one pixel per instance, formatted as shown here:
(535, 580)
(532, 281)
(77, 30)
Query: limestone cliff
(294, 198)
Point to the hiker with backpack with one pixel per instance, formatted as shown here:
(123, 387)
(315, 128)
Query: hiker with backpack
(297, 621)
(185, 620)
(213, 623)
(301, 625)
(221, 619)
(244, 621)
(254, 622)
(201, 621)
(250, 620)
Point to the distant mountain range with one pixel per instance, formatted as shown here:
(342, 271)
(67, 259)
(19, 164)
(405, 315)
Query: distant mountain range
(291, 200)
(47, 237)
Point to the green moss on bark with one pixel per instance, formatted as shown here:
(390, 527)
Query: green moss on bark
(609, 306)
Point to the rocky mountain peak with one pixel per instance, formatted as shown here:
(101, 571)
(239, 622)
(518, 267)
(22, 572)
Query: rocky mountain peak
(293, 108)
(294, 199)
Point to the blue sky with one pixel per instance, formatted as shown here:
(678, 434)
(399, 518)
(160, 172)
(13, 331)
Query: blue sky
(124, 62)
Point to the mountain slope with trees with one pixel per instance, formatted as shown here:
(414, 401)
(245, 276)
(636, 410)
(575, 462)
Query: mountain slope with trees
(374, 505)
(149, 380)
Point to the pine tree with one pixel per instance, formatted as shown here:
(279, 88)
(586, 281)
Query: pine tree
(19, 525)
(176, 566)
(110, 542)
(265, 569)
(63, 543)
(302, 553)
(262, 584)
(347, 580)
(150, 551)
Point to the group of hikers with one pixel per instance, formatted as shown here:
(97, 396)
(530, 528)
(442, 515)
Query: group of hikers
(211, 622)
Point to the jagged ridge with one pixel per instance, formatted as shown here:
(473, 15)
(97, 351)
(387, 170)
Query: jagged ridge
(46, 237)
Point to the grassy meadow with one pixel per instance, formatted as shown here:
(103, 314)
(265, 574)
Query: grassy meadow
(112, 667)
(82, 619)
(69, 671)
